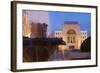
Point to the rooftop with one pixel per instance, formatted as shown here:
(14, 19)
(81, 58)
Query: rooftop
(71, 22)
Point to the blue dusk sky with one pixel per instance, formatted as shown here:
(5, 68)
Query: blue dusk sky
(57, 19)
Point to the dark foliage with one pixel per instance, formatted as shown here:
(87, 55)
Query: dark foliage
(39, 49)
(86, 45)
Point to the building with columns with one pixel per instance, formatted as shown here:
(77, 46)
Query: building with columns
(71, 34)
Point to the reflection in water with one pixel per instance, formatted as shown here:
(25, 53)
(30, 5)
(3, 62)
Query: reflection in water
(43, 54)
(37, 50)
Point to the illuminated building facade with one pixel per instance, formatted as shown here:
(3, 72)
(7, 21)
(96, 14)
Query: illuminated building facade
(26, 24)
(71, 34)
(83, 35)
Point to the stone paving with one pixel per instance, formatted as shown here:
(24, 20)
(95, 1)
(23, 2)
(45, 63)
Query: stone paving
(69, 55)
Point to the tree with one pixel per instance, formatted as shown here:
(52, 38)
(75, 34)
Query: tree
(86, 45)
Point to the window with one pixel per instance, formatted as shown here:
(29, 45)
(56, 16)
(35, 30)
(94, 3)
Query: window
(68, 39)
(71, 32)
(71, 36)
(74, 39)
(56, 33)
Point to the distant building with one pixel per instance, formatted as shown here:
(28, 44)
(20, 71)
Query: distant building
(71, 34)
(33, 30)
(38, 30)
(83, 35)
(58, 34)
(26, 24)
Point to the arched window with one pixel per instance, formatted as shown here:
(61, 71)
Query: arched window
(71, 36)
(71, 32)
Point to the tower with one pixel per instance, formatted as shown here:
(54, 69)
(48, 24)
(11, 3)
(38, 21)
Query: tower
(26, 24)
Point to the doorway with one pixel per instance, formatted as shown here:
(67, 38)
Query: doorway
(71, 47)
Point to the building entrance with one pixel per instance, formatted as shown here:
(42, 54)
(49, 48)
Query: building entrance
(71, 47)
